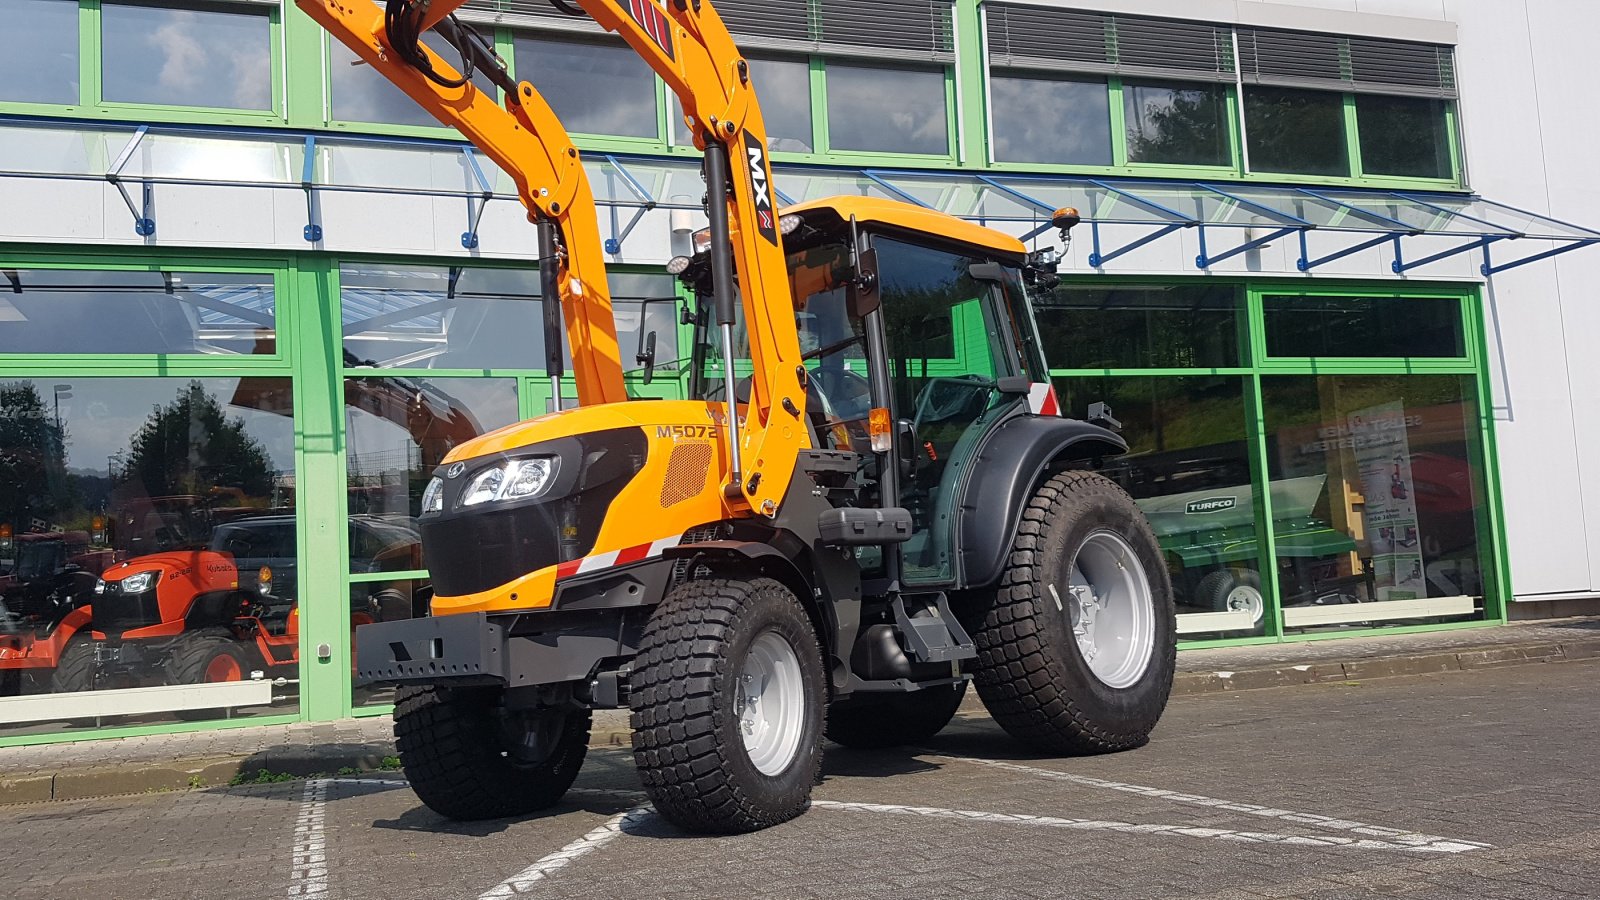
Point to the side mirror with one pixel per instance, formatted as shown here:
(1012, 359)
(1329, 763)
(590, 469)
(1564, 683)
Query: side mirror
(863, 294)
(647, 355)
(987, 271)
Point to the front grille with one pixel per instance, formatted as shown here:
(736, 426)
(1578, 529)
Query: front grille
(115, 613)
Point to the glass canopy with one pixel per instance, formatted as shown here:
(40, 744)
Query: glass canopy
(149, 155)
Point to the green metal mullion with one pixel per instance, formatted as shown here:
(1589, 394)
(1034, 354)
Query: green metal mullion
(1352, 137)
(89, 54)
(370, 577)
(1452, 128)
(972, 71)
(1385, 630)
(320, 491)
(1119, 124)
(305, 52)
(277, 47)
(1141, 373)
(1494, 529)
(819, 107)
(1235, 105)
(1256, 433)
(1214, 643)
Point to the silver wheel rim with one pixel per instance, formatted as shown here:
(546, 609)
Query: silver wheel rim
(1111, 610)
(770, 702)
(1246, 598)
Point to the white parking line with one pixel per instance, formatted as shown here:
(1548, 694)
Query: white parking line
(1410, 840)
(528, 878)
(308, 875)
(1190, 831)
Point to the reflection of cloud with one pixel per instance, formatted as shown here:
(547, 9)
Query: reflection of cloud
(594, 89)
(188, 57)
(1051, 121)
(890, 110)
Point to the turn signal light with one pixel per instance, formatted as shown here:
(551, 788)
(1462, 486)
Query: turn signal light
(879, 429)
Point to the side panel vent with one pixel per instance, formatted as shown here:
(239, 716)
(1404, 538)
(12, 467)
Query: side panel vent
(686, 473)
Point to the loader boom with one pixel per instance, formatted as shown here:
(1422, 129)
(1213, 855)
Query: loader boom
(688, 46)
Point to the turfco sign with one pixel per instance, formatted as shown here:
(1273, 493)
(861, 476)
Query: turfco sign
(1210, 505)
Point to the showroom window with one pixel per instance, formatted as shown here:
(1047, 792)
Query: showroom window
(357, 93)
(1311, 463)
(784, 84)
(1177, 124)
(1293, 131)
(594, 88)
(217, 59)
(1377, 487)
(1407, 137)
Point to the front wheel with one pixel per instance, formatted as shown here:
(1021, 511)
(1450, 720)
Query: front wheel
(468, 757)
(727, 695)
(1233, 590)
(1077, 646)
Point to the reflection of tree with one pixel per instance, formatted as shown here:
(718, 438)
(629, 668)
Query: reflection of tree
(32, 456)
(1296, 131)
(1177, 126)
(190, 446)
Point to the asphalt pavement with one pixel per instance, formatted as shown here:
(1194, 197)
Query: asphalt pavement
(1474, 783)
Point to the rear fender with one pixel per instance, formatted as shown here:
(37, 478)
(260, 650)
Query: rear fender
(1015, 459)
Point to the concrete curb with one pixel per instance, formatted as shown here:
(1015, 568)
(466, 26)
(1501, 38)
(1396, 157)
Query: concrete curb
(611, 731)
(1452, 660)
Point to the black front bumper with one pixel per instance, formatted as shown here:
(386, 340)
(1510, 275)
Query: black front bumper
(515, 650)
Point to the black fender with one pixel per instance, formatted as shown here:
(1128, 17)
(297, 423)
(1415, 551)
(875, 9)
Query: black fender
(214, 608)
(1013, 461)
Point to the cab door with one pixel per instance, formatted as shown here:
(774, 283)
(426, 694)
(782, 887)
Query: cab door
(949, 355)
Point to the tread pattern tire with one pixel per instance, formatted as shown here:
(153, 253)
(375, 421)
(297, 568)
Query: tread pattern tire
(451, 745)
(686, 739)
(75, 669)
(1213, 590)
(895, 720)
(1030, 673)
(196, 650)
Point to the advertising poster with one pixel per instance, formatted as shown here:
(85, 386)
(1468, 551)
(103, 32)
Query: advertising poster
(1383, 457)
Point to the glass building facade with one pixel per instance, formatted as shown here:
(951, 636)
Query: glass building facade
(212, 450)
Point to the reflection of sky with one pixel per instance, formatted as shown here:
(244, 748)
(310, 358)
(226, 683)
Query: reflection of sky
(179, 57)
(40, 62)
(593, 88)
(1051, 121)
(360, 94)
(888, 110)
(103, 415)
(785, 89)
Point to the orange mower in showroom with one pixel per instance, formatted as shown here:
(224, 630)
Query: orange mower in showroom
(868, 499)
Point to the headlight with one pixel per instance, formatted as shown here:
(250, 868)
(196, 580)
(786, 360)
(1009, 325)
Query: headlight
(433, 496)
(517, 480)
(484, 488)
(99, 585)
(530, 477)
(140, 582)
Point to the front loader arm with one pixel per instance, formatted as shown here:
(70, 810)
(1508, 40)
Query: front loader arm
(687, 44)
(528, 142)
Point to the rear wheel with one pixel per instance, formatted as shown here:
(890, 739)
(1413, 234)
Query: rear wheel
(871, 721)
(727, 695)
(468, 757)
(75, 668)
(1076, 647)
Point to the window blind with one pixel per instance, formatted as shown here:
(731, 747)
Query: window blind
(1350, 64)
(1037, 37)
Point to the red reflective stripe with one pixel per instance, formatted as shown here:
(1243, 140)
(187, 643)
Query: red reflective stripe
(1051, 407)
(632, 554)
(568, 568)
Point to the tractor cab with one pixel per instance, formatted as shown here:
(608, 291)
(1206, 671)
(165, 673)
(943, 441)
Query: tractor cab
(917, 339)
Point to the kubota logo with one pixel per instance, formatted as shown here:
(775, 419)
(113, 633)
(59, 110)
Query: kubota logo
(1210, 505)
(455, 469)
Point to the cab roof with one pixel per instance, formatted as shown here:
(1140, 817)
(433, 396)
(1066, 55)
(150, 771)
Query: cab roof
(909, 217)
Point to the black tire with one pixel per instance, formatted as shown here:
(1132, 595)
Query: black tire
(194, 656)
(464, 756)
(199, 654)
(874, 721)
(1030, 672)
(687, 738)
(75, 669)
(1213, 590)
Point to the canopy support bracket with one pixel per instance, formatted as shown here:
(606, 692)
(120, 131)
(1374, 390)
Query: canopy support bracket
(476, 205)
(1205, 260)
(1098, 259)
(1402, 266)
(620, 232)
(1489, 268)
(143, 224)
(1306, 263)
(308, 183)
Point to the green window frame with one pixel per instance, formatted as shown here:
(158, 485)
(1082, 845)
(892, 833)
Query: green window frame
(1255, 363)
(91, 104)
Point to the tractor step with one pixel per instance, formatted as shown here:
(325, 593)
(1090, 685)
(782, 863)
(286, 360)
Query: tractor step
(929, 630)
